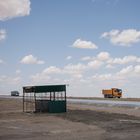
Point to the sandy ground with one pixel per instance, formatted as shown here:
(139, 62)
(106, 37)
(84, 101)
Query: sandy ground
(81, 122)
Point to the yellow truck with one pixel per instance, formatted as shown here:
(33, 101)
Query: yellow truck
(112, 93)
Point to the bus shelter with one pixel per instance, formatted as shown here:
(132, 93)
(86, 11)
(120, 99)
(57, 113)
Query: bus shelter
(46, 98)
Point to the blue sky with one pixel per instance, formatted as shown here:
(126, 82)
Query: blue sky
(88, 44)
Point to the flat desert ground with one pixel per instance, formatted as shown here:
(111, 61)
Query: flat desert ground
(81, 122)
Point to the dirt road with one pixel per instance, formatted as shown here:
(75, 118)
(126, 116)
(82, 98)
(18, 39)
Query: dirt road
(78, 123)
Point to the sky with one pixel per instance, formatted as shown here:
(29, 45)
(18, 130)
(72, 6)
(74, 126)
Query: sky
(89, 45)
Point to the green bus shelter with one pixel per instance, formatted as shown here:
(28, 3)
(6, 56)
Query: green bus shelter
(46, 98)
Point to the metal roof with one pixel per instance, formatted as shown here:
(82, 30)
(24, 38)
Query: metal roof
(44, 88)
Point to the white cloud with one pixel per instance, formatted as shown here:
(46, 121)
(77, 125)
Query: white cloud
(82, 76)
(70, 70)
(78, 76)
(109, 66)
(124, 60)
(84, 44)
(93, 73)
(123, 38)
(103, 56)
(110, 34)
(105, 59)
(30, 59)
(52, 70)
(137, 69)
(95, 64)
(86, 58)
(4, 79)
(102, 76)
(126, 71)
(40, 78)
(74, 69)
(1, 61)
(18, 71)
(69, 57)
(14, 8)
(49, 75)
(129, 71)
(2, 34)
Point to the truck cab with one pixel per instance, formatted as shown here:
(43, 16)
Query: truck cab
(117, 92)
(112, 93)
